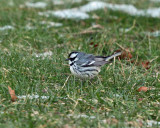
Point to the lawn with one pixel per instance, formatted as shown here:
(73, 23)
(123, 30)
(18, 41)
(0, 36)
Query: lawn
(34, 44)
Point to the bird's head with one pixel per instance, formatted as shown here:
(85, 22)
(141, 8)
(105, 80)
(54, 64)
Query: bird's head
(72, 56)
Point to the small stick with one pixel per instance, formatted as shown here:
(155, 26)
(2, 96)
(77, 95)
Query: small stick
(153, 59)
(65, 82)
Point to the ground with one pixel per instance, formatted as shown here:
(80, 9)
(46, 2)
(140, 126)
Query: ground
(32, 62)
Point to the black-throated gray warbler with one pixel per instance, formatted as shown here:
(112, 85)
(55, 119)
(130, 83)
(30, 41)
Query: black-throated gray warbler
(87, 65)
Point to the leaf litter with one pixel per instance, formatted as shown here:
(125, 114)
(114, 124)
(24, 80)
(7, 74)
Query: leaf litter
(12, 94)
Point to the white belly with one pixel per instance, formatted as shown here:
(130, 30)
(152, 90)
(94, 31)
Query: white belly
(86, 74)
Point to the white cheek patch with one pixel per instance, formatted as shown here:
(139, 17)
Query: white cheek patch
(76, 59)
(73, 55)
(70, 62)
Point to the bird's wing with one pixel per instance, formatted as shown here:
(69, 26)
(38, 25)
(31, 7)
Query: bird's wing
(86, 60)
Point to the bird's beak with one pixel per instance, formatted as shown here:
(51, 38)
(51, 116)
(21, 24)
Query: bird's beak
(66, 59)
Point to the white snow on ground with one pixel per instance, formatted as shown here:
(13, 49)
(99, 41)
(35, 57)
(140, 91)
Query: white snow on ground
(7, 27)
(51, 24)
(150, 123)
(81, 12)
(66, 13)
(92, 6)
(43, 55)
(29, 27)
(35, 96)
(125, 30)
(81, 116)
(60, 2)
(155, 1)
(36, 5)
(76, 1)
(130, 9)
(71, 14)
(154, 34)
(32, 97)
(11, 3)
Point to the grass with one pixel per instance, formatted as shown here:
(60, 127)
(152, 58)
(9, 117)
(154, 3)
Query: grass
(109, 100)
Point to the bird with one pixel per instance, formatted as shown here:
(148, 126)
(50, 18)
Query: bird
(85, 65)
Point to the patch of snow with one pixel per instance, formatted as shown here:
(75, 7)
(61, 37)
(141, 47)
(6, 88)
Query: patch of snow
(63, 98)
(117, 95)
(150, 123)
(92, 6)
(154, 34)
(29, 27)
(32, 97)
(130, 9)
(60, 2)
(81, 116)
(7, 27)
(81, 12)
(36, 5)
(43, 55)
(66, 13)
(156, 1)
(51, 24)
(76, 1)
(125, 30)
(11, 3)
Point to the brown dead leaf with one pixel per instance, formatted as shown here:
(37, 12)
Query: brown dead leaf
(12, 94)
(126, 55)
(94, 45)
(146, 65)
(143, 89)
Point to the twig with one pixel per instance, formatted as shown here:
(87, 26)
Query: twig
(153, 59)
(65, 82)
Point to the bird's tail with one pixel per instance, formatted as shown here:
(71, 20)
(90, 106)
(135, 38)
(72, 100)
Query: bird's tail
(112, 56)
